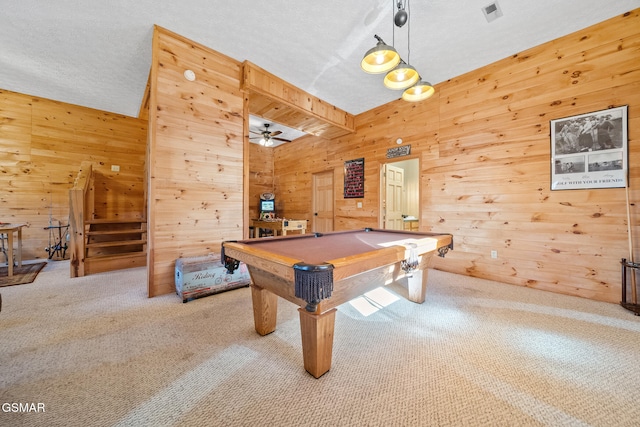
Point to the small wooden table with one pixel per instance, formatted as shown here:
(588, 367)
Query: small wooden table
(279, 225)
(9, 229)
(410, 224)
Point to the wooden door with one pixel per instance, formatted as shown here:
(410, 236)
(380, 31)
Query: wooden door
(322, 202)
(393, 197)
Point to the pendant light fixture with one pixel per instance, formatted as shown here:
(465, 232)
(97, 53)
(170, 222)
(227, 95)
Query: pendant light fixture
(385, 59)
(380, 58)
(401, 77)
(418, 92)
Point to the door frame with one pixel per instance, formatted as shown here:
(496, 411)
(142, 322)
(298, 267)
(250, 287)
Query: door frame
(383, 187)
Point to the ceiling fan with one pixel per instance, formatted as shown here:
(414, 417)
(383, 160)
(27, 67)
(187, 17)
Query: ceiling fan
(267, 137)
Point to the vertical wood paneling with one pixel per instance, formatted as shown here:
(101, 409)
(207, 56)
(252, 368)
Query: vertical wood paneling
(42, 144)
(483, 141)
(195, 155)
(261, 179)
(294, 166)
(490, 185)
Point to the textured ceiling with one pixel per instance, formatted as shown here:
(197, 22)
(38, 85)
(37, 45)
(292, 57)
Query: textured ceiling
(98, 53)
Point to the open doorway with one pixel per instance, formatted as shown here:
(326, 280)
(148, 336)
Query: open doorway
(400, 195)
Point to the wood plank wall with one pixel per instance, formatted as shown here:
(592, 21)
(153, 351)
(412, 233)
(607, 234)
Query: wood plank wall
(483, 141)
(43, 142)
(196, 156)
(294, 166)
(261, 178)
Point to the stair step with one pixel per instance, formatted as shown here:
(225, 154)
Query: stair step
(118, 256)
(102, 263)
(116, 243)
(116, 221)
(114, 232)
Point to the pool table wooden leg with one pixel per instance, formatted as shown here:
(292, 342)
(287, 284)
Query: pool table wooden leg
(317, 340)
(265, 310)
(417, 283)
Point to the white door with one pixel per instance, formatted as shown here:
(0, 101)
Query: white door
(322, 202)
(393, 197)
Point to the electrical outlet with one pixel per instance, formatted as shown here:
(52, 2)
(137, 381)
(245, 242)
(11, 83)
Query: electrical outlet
(494, 254)
(115, 168)
(359, 205)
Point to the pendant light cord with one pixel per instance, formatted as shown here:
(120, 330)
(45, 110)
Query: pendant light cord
(393, 24)
(408, 32)
(404, 4)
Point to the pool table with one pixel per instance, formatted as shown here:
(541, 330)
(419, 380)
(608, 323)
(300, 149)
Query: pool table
(320, 271)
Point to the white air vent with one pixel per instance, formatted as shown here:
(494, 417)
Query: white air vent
(492, 12)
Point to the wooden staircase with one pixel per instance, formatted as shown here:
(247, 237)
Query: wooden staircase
(114, 244)
(106, 244)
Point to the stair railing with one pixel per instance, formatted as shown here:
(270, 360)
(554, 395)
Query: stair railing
(81, 207)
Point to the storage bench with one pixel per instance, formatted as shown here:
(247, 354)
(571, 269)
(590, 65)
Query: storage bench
(201, 276)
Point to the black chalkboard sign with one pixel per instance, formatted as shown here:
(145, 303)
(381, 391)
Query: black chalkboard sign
(354, 179)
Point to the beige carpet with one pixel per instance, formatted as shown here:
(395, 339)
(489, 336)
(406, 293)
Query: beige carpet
(95, 351)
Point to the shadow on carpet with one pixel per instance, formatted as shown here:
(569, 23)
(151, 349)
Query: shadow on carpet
(21, 275)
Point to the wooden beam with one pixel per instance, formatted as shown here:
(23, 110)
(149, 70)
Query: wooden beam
(272, 98)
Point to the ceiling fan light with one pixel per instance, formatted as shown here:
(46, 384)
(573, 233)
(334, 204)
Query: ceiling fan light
(418, 92)
(380, 58)
(401, 77)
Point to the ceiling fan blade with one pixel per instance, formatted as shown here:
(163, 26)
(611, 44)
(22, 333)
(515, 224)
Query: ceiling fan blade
(257, 133)
(275, 133)
(281, 139)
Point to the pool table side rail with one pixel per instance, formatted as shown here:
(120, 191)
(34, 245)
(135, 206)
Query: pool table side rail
(356, 264)
(425, 245)
(345, 288)
(282, 266)
(277, 264)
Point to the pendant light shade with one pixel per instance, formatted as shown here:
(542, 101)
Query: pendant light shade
(418, 92)
(401, 77)
(380, 58)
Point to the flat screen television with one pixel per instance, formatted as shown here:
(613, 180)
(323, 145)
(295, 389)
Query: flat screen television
(267, 206)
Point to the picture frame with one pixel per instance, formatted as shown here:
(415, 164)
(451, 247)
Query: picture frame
(590, 150)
